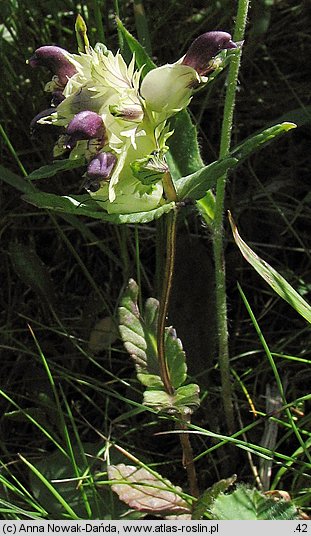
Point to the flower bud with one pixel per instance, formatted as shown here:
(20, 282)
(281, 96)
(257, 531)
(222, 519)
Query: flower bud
(56, 60)
(132, 113)
(204, 48)
(85, 125)
(99, 169)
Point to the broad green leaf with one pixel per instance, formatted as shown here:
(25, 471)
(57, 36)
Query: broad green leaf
(145, 492)
(56, 167)
(32, 271)
(271, 276)
(130, 324)
(255, 142)
(54, 495)
(184, 400)
(139, 334)
(184, 156)
(176, 358)
(249, 504)
(138, 338)
(84, 205)
(20, 183)
(141, 56)
(56, 467)
(194, 186)
(205, 502)
(187, 397)
(103, 335)
(206, 207)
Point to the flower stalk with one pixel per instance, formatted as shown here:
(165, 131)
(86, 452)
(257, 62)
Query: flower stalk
(171, 229)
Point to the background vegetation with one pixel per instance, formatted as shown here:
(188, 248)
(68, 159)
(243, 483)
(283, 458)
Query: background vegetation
(65, 379)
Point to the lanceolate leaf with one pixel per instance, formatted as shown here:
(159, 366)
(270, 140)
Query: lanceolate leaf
(194, 186)
(54, 168)
(20, 183)
(254, 143)
(271, 276)
(141, 56)
(84, 205)
(206, 205)
(145, 492)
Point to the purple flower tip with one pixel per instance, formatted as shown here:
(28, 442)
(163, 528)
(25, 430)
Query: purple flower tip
(85, 125)
(34, 125)
(57, 97)
(204, 48)
(55, 59)
(99, 169)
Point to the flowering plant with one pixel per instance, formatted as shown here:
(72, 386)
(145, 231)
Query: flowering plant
(117, 121)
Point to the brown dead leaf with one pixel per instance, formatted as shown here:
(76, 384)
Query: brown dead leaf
(143, 491)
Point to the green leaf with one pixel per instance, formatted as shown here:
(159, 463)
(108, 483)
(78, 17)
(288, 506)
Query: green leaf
(139, 334)
(255, 142)
(249, 504)
(206, 205)
(20, 183)
(194, 186)
(84, 205)
(32, 271)
(184, 154)
(176, 358)
(132, 330)
(57, 467)
(141, 56)
(205, 502)
(186, 397)
(184, 400)
(54, 168)
(271, 276)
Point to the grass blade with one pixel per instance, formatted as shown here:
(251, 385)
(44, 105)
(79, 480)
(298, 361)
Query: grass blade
(271, 276)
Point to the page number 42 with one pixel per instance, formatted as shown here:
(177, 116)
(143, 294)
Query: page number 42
(301, 527)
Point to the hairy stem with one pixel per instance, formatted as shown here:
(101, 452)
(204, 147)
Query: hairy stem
(218, 241)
